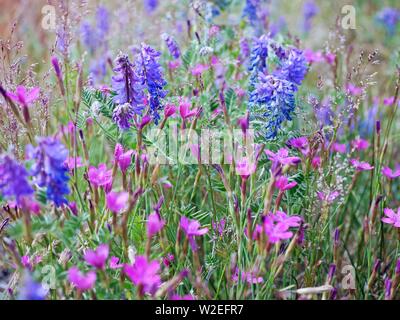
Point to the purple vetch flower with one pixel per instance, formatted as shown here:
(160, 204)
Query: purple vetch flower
(310, 9)
(13, 179)
(31, 290)
(244, 48)
(150, 5)
(172, 45)
(89, 36)
(129, 97)
(388, 288)
(49, 169)
(192, 229)
(103, 21)
(389, 18)
(294, 67)
(150, 72)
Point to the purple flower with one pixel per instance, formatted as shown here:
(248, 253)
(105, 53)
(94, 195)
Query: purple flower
(244, 48)
(150, 71)
(391, 217)
(294, 67)
(97, 258)
(49, 169)
(117, 202)
(391, 174)
(360, 165)
(154, 224)
(100, 177)
(123, 159)
(103, 21)
(144, 273)
(128, 86)
(283, 184)
(300, 143)
(360, 144)
(275, 231)
(13, 179)
(32, 290)
(81, 281)
(328, 197)
(340, 148)
(389, 18)
(192, 229)
(310, 9)
(172, 45)
(282, 157)
(114, 263)
(23, 96)
(199, 69)
(150, 5)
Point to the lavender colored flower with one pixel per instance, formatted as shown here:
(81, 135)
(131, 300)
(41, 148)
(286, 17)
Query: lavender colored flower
(250, 11)
(13, 179)
(31, 290)
(89, 36)
(103, 23)
(49, 169)
(389, 18)
(150, 72)
(310, 9)
(172, 45)
(150, 5)
(244, 48)
(294, 67)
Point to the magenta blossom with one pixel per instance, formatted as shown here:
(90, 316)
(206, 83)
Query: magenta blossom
(391, 174)
(122, 158)
(313, 56)
(174, 64)
(338, 147)
(192, 229)
(300, 143)
(23, 96)
(360, 165)
(391, 217)
(114, 263)
(81, 281)
(199, 69)
(354, 90)
(245, 168)
(290, 221)
(100, 177)
(169, 110)
(275, 231)
(184, 109)
(282, 157)
(154, 224)
(70, 163)
(283, 184)
(316, 162)
(97, 258)
(360, 144)
(144, 273)
(117, 202)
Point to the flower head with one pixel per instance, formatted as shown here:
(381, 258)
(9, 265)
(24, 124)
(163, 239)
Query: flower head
(100, 177)
(81, 281)
(144, 273)
(391, 174)
(192, 229)
(117, 202)
(360, 165)
(23, 96)
(114, 263)
(360, 144)
(154, 224)
(282, 157)
(97, 258)
(392, 217)
(283, 184)
(300, 143)
(199, 69)
(172, 45)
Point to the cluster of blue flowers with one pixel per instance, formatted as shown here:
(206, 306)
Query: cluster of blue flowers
(250, 11)
(389, 18)
(271, 94)
(49, 170)
(151, 72)
(13, 179)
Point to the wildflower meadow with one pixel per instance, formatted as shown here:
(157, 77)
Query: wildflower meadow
(199, 150)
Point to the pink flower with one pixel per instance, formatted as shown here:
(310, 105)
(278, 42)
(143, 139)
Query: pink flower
(290, 221)
(168, 259)
(243, 122)
(360, 166)
(391, 217)
(300, 143)
(337, 147)
(360, 144)
(117, 202)
(391, 174)
(70, 163)
(145, 121)
(154, 224)
(328, 197)
(199, 69)
(184, 109)
(169, 110)
(144, 273)
(316, 162)
(353, 90)
(97, 258)
(122, 158)
(100, 177)
(214, 30)
(283, 184)
(275, 231)
(81, 281)
(192, 229)
(282, 157)
(313, 56)
(114, 263)
(73, 207)
(245, 168)
(330, 58)
(174, 64)
(24, 97)
(388, 101)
